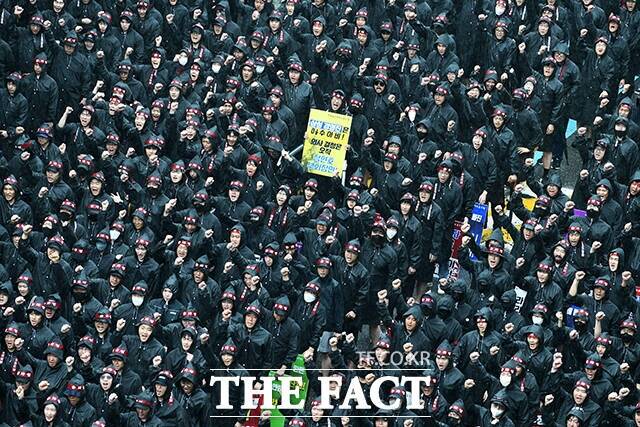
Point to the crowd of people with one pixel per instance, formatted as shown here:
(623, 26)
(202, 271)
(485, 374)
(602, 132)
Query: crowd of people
(156, 221)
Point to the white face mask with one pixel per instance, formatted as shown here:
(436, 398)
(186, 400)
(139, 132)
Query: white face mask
(412, 114)
(259, 69)
(114, 234)
(391, 233)
(536, 320)
(137, 300)
(309, 297)
(505, 380)
(500, 10)
(182, 60)
(216, 68)
(496, 412)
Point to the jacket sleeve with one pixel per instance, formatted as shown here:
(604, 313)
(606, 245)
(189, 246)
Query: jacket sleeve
(492, 173)
(338, 308)
(556, 112)
(52, 108)
(292, 345)
(415, 252)
(383, 313)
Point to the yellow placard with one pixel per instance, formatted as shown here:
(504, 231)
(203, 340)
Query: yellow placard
(325, 145)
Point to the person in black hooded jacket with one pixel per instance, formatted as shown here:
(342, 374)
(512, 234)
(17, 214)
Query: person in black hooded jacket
(578, 399)
(19, 404)
(185, 352)
(285, 332)
(41, 91)
(168, 305)
(141, 265)
(70, 69)
(506, 313)
(353, 278)
(449, 378)
(541, 287)
(623, 151)
(524, 123)
(52, 274)
(379, 108)
(338, 68)
(479, 161)
(435, 403)
(227, 365)
(500, 48)
(87, 363)
(166, 407)
(407, 336)
(74, 408)
(387, 180)
(442, 55)
(13, 115)
(533, 349)
(551, 187)
(53, 369)
(594, 229)
(494, 263)
(310, 315)
(121, 374)
(527, 243)
(380, 260)
(145, 351)
(484, 339)
(610, 210)
(621, 281)
(254, 342)
(597, 302)
(431, 218)
(331, 295)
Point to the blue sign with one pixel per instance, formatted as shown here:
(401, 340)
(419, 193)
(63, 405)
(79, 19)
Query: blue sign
(477, 221)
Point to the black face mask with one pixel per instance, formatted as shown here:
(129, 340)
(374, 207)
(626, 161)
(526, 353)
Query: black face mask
(82, 172)
(378, 239)
(154, 191)
(81, 296)
(48, 232)
(483, 286)
(200, 208)
(92, 216)
(580, 326)
(426, 310)
(518, 104)
(362, 373)
(343, 58)
(454, 421)
(626, 338)
(444, 314)
(539, 211)
(275, 155)
(620, 133)
(507, 305)
(593, 213)
(65, 216)
(78, 257)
